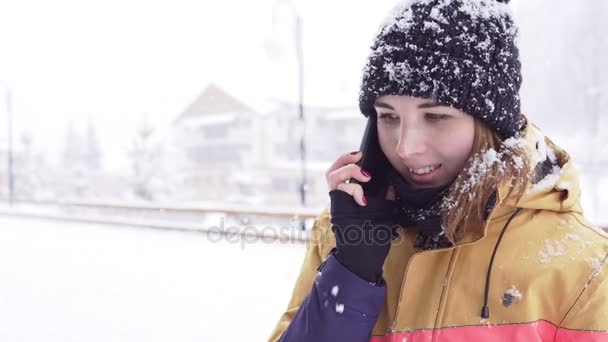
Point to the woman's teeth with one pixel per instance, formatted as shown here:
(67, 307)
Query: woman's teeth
(424, 170)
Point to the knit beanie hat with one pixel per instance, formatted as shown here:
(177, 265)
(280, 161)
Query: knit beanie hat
(460, 53)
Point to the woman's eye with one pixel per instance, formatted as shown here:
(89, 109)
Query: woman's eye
(388, 117)
(436, 117)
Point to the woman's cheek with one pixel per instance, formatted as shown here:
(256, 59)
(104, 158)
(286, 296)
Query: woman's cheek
(388, 138)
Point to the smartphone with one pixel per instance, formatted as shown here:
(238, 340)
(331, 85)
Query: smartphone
(374, 161)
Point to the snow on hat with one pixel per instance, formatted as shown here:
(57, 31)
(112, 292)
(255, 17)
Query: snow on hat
(460, 53)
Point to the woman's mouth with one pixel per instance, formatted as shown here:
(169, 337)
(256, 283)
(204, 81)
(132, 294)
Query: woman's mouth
(425, 174)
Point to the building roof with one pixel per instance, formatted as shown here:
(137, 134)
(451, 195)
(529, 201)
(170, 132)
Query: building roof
(213, 100)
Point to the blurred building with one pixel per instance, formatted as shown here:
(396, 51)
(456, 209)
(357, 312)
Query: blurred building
(232, 152)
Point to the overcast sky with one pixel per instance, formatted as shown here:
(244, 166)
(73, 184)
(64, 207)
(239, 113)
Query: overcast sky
(114, 60)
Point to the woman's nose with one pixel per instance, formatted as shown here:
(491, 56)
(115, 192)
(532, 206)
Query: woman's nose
(411, 143)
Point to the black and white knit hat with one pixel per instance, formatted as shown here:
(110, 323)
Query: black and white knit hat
(461, 53)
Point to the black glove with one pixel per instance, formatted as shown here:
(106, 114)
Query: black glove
(363, 233)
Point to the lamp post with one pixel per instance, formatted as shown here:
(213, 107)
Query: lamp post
(296, 27)
(9, 151)
(301, 117)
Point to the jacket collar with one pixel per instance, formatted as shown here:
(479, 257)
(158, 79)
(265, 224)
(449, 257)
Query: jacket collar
(556, 188)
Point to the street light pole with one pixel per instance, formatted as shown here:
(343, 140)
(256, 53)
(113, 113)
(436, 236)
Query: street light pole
(302, 123)
(9, 154)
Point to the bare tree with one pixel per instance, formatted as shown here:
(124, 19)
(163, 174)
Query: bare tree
(145, 159)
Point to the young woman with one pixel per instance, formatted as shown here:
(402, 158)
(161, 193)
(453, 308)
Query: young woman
(467, 224)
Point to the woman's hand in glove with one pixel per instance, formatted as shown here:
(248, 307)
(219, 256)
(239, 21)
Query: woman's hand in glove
(364, 227)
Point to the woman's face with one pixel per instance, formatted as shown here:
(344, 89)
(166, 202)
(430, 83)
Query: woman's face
(426, 142)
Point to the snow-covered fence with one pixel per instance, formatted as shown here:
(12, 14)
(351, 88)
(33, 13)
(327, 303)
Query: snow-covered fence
(259, 222)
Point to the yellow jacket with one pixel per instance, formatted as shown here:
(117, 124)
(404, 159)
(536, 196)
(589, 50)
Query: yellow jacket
(549, 280)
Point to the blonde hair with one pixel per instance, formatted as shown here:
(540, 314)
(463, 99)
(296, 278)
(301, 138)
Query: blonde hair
(493, 163)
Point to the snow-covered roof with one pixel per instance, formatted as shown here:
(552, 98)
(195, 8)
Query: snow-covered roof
(213, 100)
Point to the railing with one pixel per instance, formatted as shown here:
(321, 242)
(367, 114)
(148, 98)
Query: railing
(259, 222)
(289, 224)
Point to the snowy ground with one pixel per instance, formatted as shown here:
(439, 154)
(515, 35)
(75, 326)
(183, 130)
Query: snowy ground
(85, 282)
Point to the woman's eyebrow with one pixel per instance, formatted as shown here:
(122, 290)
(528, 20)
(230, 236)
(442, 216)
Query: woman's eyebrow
(432, 105)
(423, 105)
(383, 105)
